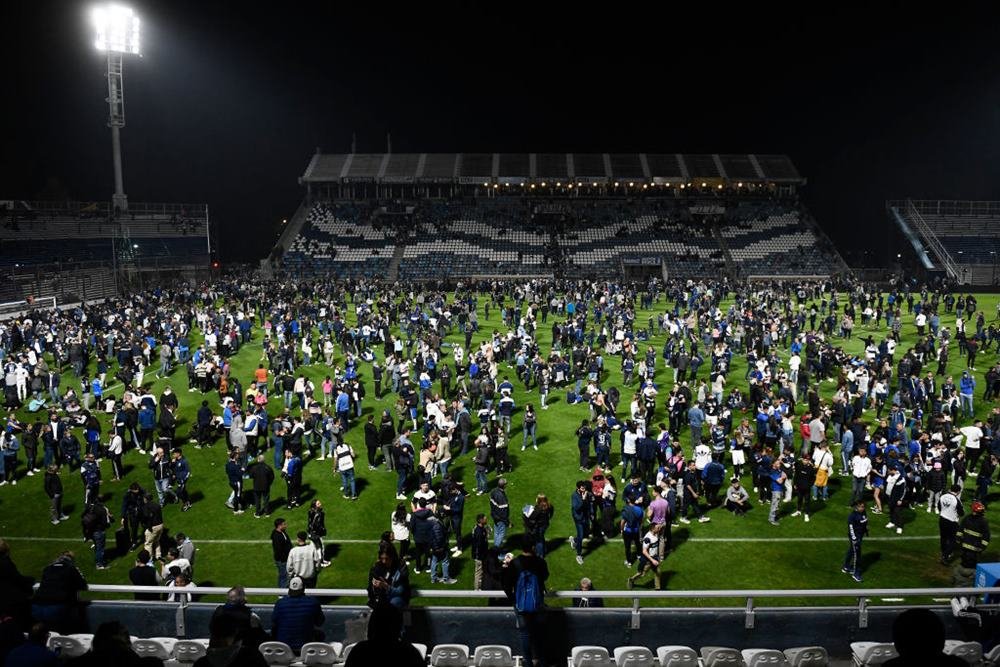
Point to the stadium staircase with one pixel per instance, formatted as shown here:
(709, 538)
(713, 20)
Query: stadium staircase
(293, 228)
(397, 257)
(726, 255)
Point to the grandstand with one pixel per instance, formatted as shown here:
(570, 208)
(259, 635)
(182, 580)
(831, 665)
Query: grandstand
(960, 239)
(76, 251)
(432, 216)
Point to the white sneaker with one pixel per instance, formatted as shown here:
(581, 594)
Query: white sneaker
(536, 448)
(684, 520)
(807, 518)
(31, 473)
(579, 560)
(890, 525)
(899, 531)
(572, 542)
(928, 509)
(13, 482)
(322, 458)
(703, 519)
(796, 513)
(522, 448)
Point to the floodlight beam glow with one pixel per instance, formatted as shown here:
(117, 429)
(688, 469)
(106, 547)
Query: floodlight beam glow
(116, 28)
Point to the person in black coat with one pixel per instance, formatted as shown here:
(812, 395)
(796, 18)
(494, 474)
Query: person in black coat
(54, 490)
(372, 441)
(55, 602)
(16, 588)
(262, 476)
(386, 436)
(281, 545)
(144, 574)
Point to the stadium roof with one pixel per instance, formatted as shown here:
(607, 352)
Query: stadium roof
(473, 168)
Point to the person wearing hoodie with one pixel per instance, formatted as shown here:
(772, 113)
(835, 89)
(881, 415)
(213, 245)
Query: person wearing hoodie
(966, 391)
(423, 535)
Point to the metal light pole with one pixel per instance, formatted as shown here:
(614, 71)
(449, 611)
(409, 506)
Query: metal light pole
(117, 33)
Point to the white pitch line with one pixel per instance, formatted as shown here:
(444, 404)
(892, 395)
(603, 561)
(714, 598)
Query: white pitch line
(907, 538)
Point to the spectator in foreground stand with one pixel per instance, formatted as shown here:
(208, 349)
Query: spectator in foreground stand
(16, 588)
(296, 617)
(112, 645)
(55, 602)
(384, 645)
(227, 648)
(32, 653)
(523, 581)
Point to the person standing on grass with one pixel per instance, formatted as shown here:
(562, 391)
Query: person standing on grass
(861, 468)
(400, 524)
(234, 474)
(857, 529)
(895, 492)
(581, 507)
(344, 459)
(804, 479)
(499, 512)
(316, 522)
(262, 477)
(692, 494)
(180, 471)
(54, 490)
(777, 480)
(303, 560)
(281, 546)
(950, 511)
(292, 472)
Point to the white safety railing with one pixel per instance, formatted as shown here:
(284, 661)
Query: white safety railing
(748, 597)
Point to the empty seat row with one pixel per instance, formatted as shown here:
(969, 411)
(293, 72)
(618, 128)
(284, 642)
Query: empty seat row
(685, 656)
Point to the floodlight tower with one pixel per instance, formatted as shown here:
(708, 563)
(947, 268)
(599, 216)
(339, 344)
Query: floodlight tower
(117, 34)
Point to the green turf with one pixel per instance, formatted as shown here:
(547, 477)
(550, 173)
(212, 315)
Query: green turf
(766, 563)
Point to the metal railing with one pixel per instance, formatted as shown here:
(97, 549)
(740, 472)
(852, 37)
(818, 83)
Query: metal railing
(932, 239)
(748, 597)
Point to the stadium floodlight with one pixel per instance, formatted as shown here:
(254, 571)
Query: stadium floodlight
(116, 34)
(117, 29)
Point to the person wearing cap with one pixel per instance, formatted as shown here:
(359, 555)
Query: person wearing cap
(737, 498)
(297, 617)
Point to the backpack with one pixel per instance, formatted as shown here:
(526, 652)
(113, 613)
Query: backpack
(527, 593)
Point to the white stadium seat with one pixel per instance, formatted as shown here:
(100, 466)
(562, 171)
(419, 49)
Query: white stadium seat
(676, 656)
(319, 653)
(807, 656)
(721, 656)
(872, 653)
(67, 647)
(633, 656)
(971, 652)
(277, 653)
(493, 655)
(450, 655)
(189, 651)
(761, 657)
(590, 656)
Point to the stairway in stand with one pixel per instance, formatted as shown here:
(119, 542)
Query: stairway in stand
(397, 256)
(731, 267)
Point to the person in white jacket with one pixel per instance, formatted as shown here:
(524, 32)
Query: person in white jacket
(303, 560)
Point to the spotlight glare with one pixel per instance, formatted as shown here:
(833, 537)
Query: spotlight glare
(116, 29)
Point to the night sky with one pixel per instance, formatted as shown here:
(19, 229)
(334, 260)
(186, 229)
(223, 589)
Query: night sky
(230, 100)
